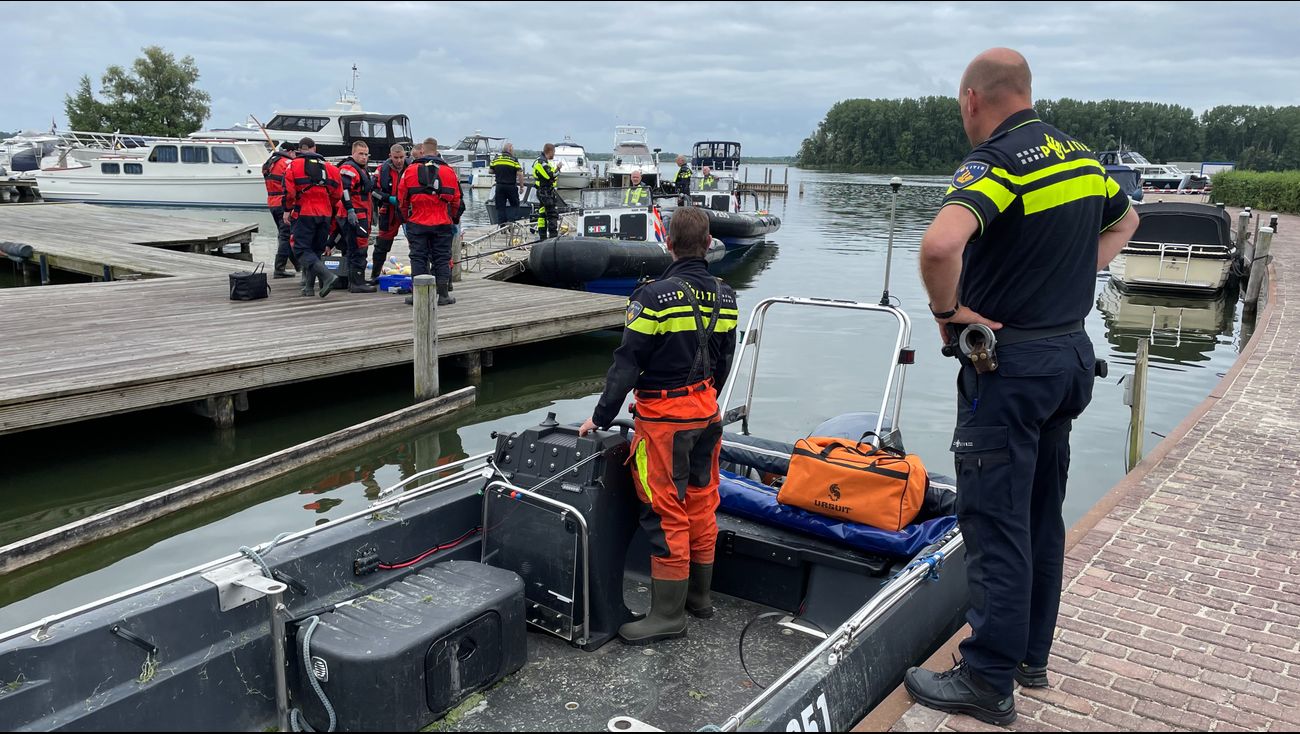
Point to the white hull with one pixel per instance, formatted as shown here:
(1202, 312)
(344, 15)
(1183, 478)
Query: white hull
(571, 180)
(242, 192)
(1171, 272)
(482, 178)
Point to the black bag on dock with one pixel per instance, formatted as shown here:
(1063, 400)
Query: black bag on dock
(249, 285)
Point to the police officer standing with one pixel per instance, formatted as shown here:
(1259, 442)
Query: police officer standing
(390, 214)
(1029, 220)
(548, 214)
(312, 191)
(510, 176)
(683, 179)
(429, 194)
(355, 210)
(273, 171)
(677, 348)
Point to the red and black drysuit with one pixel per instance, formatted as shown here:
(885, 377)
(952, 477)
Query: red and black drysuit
(677, 348)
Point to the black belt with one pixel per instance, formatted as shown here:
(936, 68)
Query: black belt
(1009, 335)
(677, 392)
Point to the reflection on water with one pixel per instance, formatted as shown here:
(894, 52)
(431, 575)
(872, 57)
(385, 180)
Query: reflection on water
(832, 244)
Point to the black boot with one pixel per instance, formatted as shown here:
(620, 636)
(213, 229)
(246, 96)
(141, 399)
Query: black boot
(278, 271)
(960, 691)
(1031, 676)
(699, 598)
(308, 282)
(327, 279)
(376, 269)
(667, 617)
(357, 281)
(444, 294)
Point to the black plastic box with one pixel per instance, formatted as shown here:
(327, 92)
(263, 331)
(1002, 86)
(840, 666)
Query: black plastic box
(400, 657)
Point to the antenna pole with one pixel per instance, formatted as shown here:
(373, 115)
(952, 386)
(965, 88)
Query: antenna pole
(895, 184)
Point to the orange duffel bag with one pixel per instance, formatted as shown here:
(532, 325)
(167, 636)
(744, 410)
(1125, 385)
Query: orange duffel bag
(880, 487)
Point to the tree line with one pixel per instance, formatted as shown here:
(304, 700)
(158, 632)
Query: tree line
(925, 135)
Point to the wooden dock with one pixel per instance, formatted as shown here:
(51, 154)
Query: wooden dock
(82, 351)
(17, 190)
(83, 238)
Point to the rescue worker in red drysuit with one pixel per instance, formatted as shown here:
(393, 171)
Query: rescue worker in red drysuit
(312, 191)
(390, 214)
(273, 171)
(429, 196)
(677, 348)
(354, 216)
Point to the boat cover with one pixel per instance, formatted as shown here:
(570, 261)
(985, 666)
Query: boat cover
(756, 501)
(1184, 223)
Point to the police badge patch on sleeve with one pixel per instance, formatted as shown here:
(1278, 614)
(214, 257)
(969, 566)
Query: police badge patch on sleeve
(969, 173)
(634, 310)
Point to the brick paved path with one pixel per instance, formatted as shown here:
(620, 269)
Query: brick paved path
(1181, 607)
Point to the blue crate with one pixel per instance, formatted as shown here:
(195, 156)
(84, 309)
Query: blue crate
(395, 283)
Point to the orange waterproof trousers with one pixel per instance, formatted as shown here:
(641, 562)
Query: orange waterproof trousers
(678, 435)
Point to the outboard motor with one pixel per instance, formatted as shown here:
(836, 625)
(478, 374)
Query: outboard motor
(561, 512)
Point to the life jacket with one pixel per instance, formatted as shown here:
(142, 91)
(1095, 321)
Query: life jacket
(636, 195)
(313, 168)
(388, 178)
(274, 181)
(426, 174)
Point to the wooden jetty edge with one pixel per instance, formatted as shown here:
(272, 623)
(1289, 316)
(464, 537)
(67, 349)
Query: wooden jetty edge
(228, 481)
(82, 351)
(1181, 603)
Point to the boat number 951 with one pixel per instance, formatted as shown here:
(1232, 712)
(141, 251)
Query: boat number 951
(808, 722)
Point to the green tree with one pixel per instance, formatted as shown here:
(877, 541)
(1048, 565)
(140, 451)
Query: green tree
(158, 95)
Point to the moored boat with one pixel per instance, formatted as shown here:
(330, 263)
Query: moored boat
(1178, 247)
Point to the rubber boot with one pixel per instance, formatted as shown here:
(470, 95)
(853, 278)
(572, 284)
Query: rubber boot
(667, 617)
(376, 269)
(278, 271)
(699, 598)
(308, 283)
(444, 293)
(327, 279)
(357, 281)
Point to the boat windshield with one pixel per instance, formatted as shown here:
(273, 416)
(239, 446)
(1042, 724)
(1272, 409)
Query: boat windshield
(716, 183)
(616, 198)
(1129, 157)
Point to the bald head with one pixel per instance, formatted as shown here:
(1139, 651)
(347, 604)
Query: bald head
(999, 75)
(996, 85)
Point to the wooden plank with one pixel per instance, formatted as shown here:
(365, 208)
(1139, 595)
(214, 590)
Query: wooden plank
(133, 514)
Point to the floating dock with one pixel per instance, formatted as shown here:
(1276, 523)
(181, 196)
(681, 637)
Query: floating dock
(82, 351)
(1181, 603)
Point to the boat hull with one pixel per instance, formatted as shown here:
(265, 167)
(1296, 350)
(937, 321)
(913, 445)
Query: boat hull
(242, 192)
(571, 180)
(1152, 272)
(603, 265)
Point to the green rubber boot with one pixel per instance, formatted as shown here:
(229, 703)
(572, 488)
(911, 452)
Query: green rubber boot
(699, 598)
(667, 617)
(327, 279)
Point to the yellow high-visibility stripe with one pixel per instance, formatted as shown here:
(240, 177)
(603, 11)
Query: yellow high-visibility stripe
(1064, 192)
(687, 324)
(1045, 172)
(1112, 188)
(996, 192)
(706, 310)
(643, 326)
(643, 469)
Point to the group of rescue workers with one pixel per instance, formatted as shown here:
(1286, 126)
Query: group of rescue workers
(318, 207)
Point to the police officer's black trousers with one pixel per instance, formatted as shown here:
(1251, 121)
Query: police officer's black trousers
(1012, 451)
(507, 196)
(431, 249)
(283, 252)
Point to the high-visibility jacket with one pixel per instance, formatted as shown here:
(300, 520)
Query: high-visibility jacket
(506, 168)
(544, 173)
(683, 179)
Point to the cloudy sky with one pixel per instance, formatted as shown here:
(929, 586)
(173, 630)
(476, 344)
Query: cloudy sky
(761, 73)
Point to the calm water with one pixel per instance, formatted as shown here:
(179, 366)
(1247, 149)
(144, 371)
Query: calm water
(832, 244)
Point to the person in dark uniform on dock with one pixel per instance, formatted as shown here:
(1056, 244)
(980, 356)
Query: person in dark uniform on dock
(1029, 220)
(273, 171)
(544, 173)
(390, 214)
(677, 349)
(312, 191)
(429, 195)
(683, 179)
(355, 214)
(509, 173)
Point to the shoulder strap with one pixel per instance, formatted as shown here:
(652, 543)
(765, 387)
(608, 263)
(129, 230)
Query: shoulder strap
(702, 333)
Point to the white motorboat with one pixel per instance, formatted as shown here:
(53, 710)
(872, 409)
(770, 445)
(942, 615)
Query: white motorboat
(1154, 175)
(172, 172)
(632, 153)
(575, 171)
(472, 156)
(1178, 247)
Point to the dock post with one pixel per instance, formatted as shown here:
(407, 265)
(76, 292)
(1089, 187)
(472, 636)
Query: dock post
(1263, 243)
(1272, 223)
(473, 362)
(221, 409)
(801, 188)
(45, 269)
(1243, 229)
(108, 273)
(426, 338)
(1137, 400)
